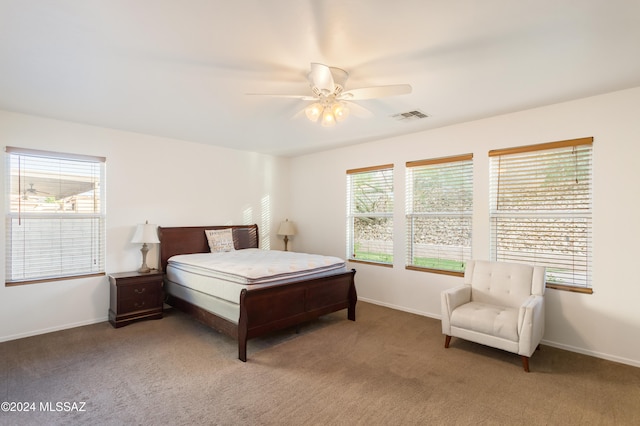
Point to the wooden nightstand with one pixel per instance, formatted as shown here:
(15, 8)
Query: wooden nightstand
(135, 296)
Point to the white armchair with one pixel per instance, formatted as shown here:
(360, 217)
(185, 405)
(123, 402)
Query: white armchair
(500, 305)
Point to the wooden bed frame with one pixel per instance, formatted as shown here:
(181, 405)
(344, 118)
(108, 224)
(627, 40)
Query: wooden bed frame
(262, 310)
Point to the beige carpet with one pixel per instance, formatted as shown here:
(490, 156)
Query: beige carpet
(388, 368)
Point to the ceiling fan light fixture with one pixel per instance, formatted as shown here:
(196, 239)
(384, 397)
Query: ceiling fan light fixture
(328, 119)
(340, 111)
(314, 111)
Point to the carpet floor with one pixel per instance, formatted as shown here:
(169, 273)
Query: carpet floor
(387, 368)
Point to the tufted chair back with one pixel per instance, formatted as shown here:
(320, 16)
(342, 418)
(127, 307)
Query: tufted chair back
(504, 284)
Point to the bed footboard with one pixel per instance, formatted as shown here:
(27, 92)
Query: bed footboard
(268, 309)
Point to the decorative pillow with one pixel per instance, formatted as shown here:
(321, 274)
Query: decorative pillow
(220, 239)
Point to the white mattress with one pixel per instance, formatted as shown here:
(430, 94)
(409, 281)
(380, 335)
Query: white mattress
(224, 275)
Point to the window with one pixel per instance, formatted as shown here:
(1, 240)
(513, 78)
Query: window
(439, 206)
(370, 214)
(541, 209)
(55, 217)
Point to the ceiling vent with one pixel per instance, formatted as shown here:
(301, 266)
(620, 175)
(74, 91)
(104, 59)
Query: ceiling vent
(410, 116)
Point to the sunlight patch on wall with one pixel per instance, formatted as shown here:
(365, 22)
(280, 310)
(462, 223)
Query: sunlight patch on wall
(247, 216)
(265, 223)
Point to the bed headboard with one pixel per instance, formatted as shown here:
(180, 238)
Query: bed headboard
(192, 239)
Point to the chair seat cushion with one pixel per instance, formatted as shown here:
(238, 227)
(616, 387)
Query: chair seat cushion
(498, 321)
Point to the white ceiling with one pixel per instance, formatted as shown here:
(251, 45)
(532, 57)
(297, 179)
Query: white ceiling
(183, 68)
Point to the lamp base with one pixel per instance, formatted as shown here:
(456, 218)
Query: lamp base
(144, 269)
(286, 240)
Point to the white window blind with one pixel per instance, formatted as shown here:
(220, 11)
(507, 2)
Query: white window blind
(439, 207)
(55, 216)
(541, 208)
(370, 214)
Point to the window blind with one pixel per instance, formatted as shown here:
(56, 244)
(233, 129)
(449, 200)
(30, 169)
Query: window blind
(370, 214)
(55, 216)
(541, 209)
(439, 207)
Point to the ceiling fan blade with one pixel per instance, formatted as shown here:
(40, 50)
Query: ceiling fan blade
(376, 92)
(340, 78)
(320, 77)
(279, 95)
(299, 113)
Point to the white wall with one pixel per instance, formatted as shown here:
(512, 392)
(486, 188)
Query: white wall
(165, 181)
(605, 323)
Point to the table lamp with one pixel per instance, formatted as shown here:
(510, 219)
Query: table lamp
(145, 234)
(286, 229)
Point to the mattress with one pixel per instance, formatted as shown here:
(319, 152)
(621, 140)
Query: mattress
(220, 307)
(224, 275)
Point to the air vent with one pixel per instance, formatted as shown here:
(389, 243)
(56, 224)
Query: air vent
(410, 116)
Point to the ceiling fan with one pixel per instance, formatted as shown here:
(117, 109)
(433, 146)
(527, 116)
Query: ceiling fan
(331, 101)
(32, 191)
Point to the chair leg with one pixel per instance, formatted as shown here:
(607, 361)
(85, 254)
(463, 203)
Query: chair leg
(525, 363)
(447, 340)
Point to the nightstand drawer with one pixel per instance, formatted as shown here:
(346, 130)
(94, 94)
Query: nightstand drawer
(136, 291)
(151, 300)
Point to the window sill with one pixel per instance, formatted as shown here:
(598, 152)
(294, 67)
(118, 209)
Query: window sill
(368, 262)
(46, 280)
(434, 271)
(572, 289)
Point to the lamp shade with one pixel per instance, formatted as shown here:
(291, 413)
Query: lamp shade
(146, 233)
(328, 119)
(314, 111)
(287, 228)
(340, 111)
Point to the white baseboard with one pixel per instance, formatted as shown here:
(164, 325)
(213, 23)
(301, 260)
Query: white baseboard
(52, 329)
(595, 354)
(399, 308)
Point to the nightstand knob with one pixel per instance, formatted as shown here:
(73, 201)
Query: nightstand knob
(138, 305)
(139, 290)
